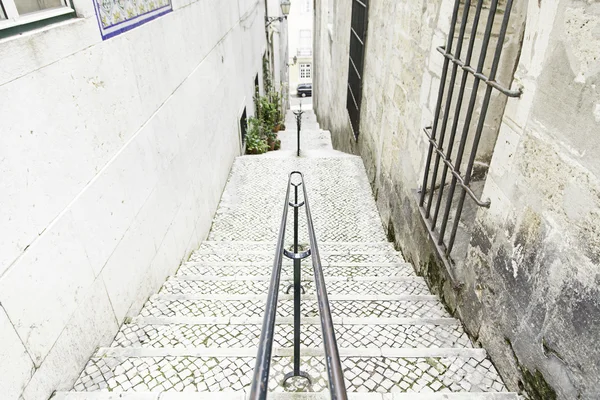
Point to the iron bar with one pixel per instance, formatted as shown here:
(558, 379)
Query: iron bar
(481, 122)
(260, 381)
(457, 110)
(438, 106)
(461, 182)
(469, 115)
(488, 81)
(461, 35)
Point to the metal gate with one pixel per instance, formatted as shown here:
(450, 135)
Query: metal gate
(432, 191)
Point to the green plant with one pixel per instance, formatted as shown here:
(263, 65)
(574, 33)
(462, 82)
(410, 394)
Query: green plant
(256, 140)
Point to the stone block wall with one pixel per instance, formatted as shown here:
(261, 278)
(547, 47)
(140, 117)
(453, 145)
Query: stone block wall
(527, 278)
(113, 157)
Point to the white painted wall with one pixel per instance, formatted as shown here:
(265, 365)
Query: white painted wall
(113, 156)
(300, 18)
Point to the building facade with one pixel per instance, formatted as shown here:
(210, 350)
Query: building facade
(478, 123)
(120, 121)
(300, 58)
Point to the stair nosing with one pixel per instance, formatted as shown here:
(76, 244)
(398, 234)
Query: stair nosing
(269, 263)
(290, 297)
(267, 278)
(233, 320)
(242, 395)
(236, 352)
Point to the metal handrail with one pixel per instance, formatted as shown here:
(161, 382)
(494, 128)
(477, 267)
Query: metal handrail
(260, 381)
(335, 373)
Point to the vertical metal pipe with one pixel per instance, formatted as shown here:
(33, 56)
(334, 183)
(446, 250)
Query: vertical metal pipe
(459, 101)
(299, 127)
(438, 106)
(465, 132)
(296, 290)
(481, 122)
(461, 36)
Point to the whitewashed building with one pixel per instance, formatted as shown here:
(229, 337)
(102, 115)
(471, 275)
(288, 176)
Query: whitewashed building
(301, 43)
(119, 124)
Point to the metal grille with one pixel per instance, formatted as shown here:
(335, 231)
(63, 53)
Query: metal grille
(432, 194)
(358, 34)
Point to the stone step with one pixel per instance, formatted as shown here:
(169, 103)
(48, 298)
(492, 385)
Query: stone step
(409, 286)
(186, 306)
(142, 335)
(232, 352)
(327, 258)
(416, 370)
(251, 269)
(324, 247)
(279, 396)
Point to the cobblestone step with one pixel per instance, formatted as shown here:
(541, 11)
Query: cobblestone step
(327, 258)
(444, 370)
(162, 306)
(229, 335)
(324, 247)
(252, 269)
(377, 286)
(280, 396)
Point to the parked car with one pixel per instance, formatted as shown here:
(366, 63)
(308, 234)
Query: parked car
(304, 89)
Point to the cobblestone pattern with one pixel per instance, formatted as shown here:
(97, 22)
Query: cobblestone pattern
(388, 257)
(204, 308)
(374, 374)
(344, 211)
(340, 197)
(189, 287)
(269, 247)
(352, 336)
(287, 270)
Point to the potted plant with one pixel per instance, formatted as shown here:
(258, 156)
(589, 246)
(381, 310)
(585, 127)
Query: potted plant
(256, 142)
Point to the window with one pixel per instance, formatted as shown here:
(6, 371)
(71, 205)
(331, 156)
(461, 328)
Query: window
(454, 137)
(358, 35)
(305, 71)
(21, 12)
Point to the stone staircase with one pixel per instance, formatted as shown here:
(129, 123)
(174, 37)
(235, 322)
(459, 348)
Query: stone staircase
(197, 337)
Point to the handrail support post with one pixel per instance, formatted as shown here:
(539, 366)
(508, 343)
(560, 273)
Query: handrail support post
(297, 294)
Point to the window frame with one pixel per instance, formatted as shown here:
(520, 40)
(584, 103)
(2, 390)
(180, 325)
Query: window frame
(14, 19)
(307, 70)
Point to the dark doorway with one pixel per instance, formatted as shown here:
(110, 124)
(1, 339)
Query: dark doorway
(243, 128)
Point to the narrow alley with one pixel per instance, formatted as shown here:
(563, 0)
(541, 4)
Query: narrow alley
(200, 331)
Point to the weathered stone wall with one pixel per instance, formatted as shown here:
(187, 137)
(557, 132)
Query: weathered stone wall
(530, 269)
(113, 157)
